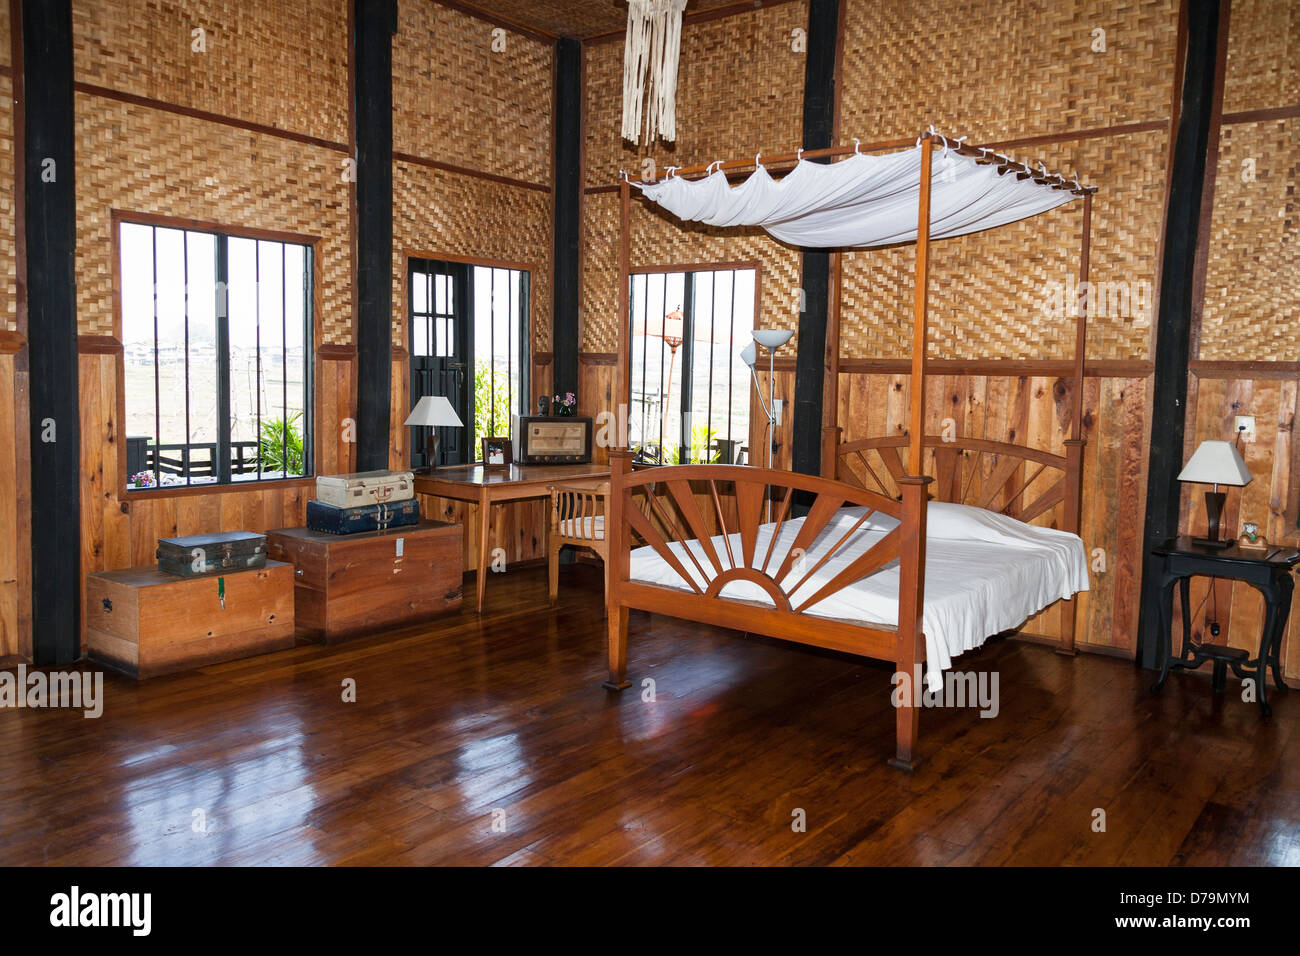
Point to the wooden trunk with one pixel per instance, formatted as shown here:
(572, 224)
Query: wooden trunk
(145, 622)
(348, 585)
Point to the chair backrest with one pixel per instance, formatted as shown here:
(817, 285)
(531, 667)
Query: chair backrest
(574, 510)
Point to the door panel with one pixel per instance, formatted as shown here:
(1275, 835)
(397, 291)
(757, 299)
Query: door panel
(441, 342)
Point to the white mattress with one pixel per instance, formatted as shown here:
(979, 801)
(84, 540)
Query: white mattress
(985, 573)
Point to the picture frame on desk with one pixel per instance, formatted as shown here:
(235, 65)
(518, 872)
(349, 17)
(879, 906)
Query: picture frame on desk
(497, 453)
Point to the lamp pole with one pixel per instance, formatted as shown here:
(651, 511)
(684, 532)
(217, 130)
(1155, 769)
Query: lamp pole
(676, 320)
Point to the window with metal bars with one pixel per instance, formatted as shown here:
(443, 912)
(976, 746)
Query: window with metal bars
(217, 337)
(689, 389)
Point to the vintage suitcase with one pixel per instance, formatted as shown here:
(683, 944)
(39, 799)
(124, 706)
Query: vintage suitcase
(353, 584)
(331, 520)
(365, 488)
(202, 554)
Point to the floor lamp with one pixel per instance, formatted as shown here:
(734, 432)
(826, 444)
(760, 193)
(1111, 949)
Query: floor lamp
(671, 332)
(770, 339)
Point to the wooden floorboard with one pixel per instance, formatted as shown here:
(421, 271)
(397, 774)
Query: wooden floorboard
(488, 740)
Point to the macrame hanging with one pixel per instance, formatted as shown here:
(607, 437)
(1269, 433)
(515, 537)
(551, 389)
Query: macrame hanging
(650, 52)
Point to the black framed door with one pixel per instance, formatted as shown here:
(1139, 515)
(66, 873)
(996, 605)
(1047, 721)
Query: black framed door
(441, 343)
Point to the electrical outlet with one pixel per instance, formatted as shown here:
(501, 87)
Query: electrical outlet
(778, 409)
(1245, 427)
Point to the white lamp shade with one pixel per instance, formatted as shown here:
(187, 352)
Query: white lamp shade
(773, 338)
(434, 410)
(749, 355)
(1216, 463)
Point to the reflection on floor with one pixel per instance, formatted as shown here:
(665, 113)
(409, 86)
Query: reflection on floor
(489, 740)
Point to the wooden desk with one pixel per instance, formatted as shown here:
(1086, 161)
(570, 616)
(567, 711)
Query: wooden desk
(485, 488)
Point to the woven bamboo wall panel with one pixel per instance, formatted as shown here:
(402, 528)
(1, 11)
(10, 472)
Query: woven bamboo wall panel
(659, 239)
(740, 87)
(1252, 280)
(281, 63)
(999, 70)
(1263, 55)
(8, 257)
(991, 293)
(441, 213)
(5, 35)
(458, 100)
(137, 159)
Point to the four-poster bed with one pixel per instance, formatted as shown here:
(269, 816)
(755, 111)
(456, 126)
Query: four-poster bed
(851, 573)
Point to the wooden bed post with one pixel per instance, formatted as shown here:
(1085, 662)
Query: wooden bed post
(831, 370)
(1074, 444)
(831, 451)
(616, 574)
(624, 375)
(915, 488)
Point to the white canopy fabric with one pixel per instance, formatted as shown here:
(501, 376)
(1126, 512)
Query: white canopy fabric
(863, 201)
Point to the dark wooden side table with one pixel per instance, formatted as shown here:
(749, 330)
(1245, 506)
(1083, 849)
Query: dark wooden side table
(1269, 572)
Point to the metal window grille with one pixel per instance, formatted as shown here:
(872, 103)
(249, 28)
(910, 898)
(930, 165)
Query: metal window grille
(688, 396)
(217, 336)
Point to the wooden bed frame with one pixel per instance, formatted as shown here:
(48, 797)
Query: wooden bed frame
(658, 506)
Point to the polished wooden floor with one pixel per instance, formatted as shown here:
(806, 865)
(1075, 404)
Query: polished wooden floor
(489, 741)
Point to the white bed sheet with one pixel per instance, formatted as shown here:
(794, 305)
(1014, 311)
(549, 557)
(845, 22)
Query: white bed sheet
(985, 573)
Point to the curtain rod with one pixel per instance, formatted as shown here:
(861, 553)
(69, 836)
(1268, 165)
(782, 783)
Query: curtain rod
(984, 157)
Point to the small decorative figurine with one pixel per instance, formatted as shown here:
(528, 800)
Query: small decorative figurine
(543, 406)
(1251, 539)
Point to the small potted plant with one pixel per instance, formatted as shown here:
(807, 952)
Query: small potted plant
(565, 406)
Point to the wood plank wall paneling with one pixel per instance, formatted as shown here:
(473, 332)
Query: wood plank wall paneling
(518, 527)
(1269, 500)
(1245, 350)
(1035, 410)
(13, 641)
(15, 565)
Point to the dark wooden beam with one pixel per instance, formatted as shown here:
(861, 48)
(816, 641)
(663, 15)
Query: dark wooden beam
(374, 23)
(50, 201)
(568, 207)
(815, 299)
(1202, 84)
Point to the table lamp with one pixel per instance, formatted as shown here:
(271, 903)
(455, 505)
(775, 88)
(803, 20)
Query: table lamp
(433, 412)
(1215, 463)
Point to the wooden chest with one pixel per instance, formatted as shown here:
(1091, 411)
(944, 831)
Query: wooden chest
(353, 584)
(145, 622)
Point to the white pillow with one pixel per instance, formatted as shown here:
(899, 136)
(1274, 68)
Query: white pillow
(953, 522)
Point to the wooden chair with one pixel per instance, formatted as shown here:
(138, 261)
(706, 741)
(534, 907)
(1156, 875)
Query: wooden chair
(577, 519)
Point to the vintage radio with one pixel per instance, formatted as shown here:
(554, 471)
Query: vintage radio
(552, 441)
